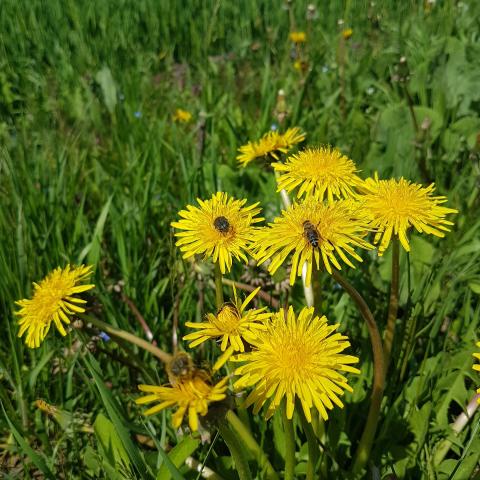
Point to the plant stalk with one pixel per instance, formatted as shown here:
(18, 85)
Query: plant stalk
(238, 455)
(393, 304)
(312, 444)
(289, 445)
(242, 432)
(129, 337)
(366, 441)
(218, 286)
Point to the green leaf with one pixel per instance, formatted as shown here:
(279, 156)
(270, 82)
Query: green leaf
(175, 458)
(109, 90)
(116, 416)
(110, 442)
(27, 449)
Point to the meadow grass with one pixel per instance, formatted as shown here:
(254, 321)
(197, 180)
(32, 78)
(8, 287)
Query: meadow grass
(93, 169)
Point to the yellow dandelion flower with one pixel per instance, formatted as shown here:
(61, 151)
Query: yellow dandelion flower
(220, 228)
(233, 323)
(311, 229)
(192, 394)
(347, 33)
(296, 357)
(477, 366)
(396, 205)
(270, 145)
(321, 172)
(298, 37)
(53, 301)
(182, 116)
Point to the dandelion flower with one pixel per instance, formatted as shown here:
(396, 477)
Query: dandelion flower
(53, 301)
(192, 394)
(271, 144)
(477, 366)
(220, 228)
(321, 172)
(298, 37)
(396, 205)
(296, 357)
(347, 33)
(311, 229)
(233, 323)
(182, 116)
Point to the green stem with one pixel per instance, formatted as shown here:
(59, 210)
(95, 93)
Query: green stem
(242, 432)
(238, 455)
(218, 286)
(393, 305)
(129, 337)
(366, 441)
(312, 444)
(289, 445)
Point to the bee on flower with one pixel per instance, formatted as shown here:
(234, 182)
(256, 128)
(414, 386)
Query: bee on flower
(220, 228)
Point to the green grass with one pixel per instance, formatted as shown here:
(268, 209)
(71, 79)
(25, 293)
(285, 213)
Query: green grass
(93, 169)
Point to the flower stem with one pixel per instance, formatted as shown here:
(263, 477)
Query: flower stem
(366, 441)
(312, 444)
(393, 305)
(238, 455)
(242, 432)
(218, 286)
(289, 445)
(129, 337)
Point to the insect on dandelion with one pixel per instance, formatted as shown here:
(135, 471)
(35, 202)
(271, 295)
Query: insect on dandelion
(233, 324)
(296, 357)
(397, 205)
(54, 300)
(220, 228)
(190, 395)
(311, 231)
(322, 172)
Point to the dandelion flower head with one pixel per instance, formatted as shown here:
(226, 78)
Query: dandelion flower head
(191, 395)
(477, 367)
(182, 116)
(220, 227)
(296, 357)
(233, 324)
(312, 230)
(54, 301)
(298, 37)
(270, 145)
(397, 205)
(322, 172)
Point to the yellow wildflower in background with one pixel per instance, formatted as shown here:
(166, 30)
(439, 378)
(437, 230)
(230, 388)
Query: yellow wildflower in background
(397, 205)
(53, 301)
(220, 228)
(271, 144)
(311, 229)
(233, 324)
(298, 37)
(192, 396)
(296, 358)
(347, 33)
(477, 366)
(322, 172)
(182, 116)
